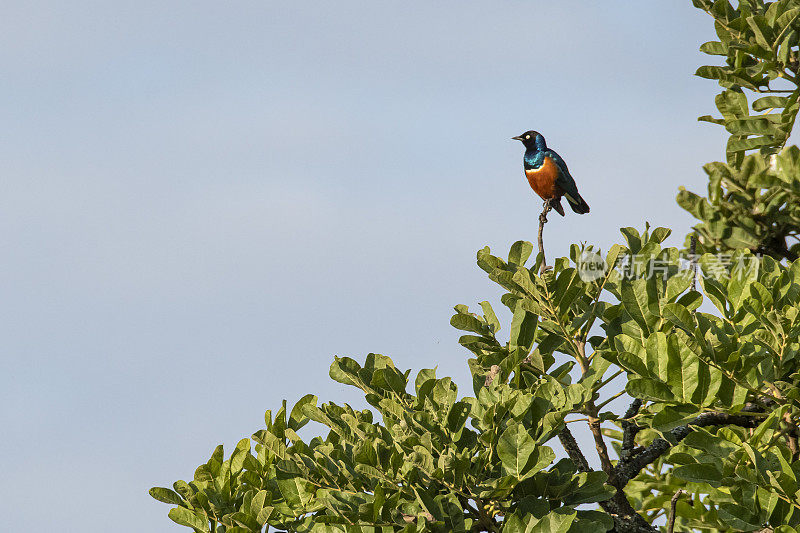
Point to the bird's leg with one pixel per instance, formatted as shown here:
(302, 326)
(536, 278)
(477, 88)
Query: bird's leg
(546, 207)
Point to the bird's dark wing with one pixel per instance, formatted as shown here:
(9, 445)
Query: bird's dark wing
(568, 185)
(565, 180)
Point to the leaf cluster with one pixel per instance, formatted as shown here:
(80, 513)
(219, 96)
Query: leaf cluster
(433, 463)
(430, 460)
(752, 199)
(759, 42)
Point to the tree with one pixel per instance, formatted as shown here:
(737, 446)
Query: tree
(710, 439)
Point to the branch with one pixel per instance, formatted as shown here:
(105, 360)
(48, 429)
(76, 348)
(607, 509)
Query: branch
(776, 246)
(600, 444)
(573, 450)
(626, 519)
(542, 222)
(628, 469)
(629, 429)
(624, 525)
(672, 504)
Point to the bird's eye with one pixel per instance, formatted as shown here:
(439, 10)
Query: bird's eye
(527, 136)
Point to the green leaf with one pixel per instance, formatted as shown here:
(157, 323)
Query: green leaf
(297, 492)
(259, 501)
(166, 495)
(702, 440)
(699, 473)
(732, 103)
(659, 235)
(592, 522)
(679, 316)
(770, 102)
(591, 489)
(648, 389)
(769, 423)
(671, 417)
(523, 328)
(738, 517)
(725, 76)
(185, 517)
(389, 379)
(752, 126)
(237, 458)
(518, 453)
(712, 120)
(468, 322)
(761, 30)
(557, 521)
(752, 143)
(633, 239)
(490, 316)
(271, 442)
(520, 252)
(568, 287)
(689, 378)
(423, 376)
(633, 363)
(714, 48)
(297, 419)
(514, 448)
(637, 298)
(458, 416)
(345, 370)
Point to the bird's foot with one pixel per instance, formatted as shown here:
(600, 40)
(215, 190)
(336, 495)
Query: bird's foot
(546, 207)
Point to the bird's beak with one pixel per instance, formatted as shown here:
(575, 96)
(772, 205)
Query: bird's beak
(517, 138)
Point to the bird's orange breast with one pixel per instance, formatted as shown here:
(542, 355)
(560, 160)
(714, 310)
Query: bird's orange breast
(543, 179)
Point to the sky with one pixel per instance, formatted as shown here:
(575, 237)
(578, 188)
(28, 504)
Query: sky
(202, 203)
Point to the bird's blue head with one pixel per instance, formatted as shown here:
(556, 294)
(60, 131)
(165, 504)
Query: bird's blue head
(532, 140)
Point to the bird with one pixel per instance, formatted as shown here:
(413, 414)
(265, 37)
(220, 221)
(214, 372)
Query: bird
(548, 174)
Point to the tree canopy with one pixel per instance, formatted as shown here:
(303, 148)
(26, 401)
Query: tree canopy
(708, 344)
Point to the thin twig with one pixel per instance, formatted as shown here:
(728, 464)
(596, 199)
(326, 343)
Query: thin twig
(775, 90)
(542, 222)
(672, 504)
(608, 380)
(609, 400)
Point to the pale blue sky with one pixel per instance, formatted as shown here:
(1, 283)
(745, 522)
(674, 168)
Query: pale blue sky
(203, 202)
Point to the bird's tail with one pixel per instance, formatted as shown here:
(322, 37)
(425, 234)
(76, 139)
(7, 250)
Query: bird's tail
(578, 204)
(555, 203)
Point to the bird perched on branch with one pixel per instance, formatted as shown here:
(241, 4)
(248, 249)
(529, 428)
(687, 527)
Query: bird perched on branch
(548, 175)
